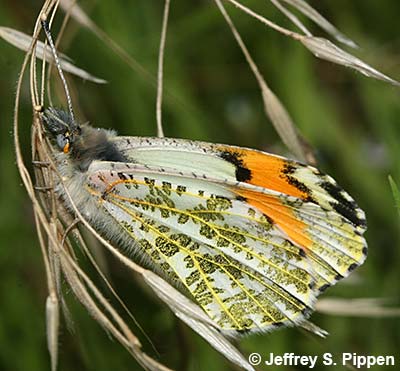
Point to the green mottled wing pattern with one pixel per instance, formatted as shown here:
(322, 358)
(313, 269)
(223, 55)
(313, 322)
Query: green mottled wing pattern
(235, 263)
(254, 238)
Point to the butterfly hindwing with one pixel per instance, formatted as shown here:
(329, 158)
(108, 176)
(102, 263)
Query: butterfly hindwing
(237, 265)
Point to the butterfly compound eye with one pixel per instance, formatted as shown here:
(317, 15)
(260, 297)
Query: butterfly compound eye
(63, 142)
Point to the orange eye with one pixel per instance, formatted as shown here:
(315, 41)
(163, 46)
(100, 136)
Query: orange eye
(66, 147)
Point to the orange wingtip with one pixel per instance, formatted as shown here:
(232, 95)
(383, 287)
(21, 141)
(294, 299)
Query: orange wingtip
(264, 170)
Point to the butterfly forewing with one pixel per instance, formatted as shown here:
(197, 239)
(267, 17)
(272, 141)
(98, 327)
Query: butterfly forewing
(308, 206)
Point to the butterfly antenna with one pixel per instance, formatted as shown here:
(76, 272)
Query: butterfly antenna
(46, 29)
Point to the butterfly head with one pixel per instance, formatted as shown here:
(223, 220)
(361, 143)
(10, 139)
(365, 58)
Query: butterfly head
(83, 144)
(62, 128)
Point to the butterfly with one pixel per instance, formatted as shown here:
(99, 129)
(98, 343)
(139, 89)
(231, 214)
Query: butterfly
(252, 237)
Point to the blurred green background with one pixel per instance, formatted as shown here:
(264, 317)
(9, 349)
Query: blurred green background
(352, 122)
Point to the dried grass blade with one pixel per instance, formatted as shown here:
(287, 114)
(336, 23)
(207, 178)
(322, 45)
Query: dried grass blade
(52, 326)
(286, 128)
(174, 299)
(395, 192)
(274, 109)
(216, 340)
(195, 317)
(23, 42)
(52, 302)
(321, 21)
(160, 73)
(81, 17)
(75, 11)
(365, 307)
(321, 47)
(77, 236)
(324, 49)
(311, 327)
(266, 21)
(81, 285)
(296, 21)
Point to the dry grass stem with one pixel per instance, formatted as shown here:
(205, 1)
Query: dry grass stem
(325, 49)
(53, 233)
(23, 42)
(360, 307)
(160, 131)
(321, 21)
(274, 109)
(321, 47)
(195, 317)
(77, 13)
(295, 20)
